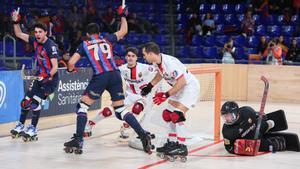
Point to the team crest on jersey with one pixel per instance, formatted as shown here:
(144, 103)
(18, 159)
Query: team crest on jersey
(140, 75)
(175, 73)
(150, 69)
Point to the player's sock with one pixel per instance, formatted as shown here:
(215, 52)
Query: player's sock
(98, 117)
(172, 136)
(133, 123)
(181, 132)
(23, 116)
(35, 117)
(81, 122)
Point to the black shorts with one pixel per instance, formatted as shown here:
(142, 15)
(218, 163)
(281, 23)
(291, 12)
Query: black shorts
(110, 81)
(41, 89)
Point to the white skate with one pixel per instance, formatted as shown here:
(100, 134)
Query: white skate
(30, 134)
(17, 131)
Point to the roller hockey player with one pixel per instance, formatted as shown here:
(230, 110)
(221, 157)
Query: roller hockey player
(46, 54)
(182, 96)
(239, 128)
(136, 75)
(99, 51)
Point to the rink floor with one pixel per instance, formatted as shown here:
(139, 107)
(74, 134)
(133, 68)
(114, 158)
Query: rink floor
(102, 150)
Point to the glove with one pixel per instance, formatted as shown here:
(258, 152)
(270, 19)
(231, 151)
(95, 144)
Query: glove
(15, 16)
(147, 89)
(160, 97)
(123, 12)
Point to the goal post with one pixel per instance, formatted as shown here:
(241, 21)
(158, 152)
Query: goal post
(217, 74)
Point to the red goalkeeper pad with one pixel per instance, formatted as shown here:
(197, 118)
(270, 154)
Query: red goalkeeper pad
(246, 147)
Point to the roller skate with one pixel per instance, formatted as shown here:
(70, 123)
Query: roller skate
(177, 152)
(124, 133)
(30, 134)
(74, 145)
(160, 151)
(146, 141)
(88, 129)
(17, 131)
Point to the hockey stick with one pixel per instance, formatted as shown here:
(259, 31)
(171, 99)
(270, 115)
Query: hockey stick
(262, 106)
(25, 77)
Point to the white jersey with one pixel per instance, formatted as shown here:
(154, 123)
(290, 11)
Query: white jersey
(171, 69)
(137, 77)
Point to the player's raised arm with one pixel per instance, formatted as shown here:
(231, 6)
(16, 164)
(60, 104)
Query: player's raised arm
(123, 12)
(16, 18)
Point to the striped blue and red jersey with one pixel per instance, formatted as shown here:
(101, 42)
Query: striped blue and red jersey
(99, 51)
(43, 54)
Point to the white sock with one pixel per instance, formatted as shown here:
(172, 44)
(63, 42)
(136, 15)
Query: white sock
(172, 132)
(181, 132)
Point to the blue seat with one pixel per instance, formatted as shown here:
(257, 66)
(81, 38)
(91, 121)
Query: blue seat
(252, 41)
(53, 3)
(215, 8)
(270, 20)
(210, 41)
(260, 30)
(221, 40)
(132, 38)
(182, 51)
(257, 19)
(144, 38)
(20, 50)
(274, 31)
(204, 8)
(218, 18)
(210, 53)
(179, 8)
(197, 40)
(279, 20)
(219, 29)
(240, 54)
(161, 39)
(240, 8)
(227, 9)
(181, 18)
(288, 30)
(196, 52)
(240, 17)
(119, 50)
(40, 3)
(295, 20)
(180, 40)
(66, 3)
(27, 2)
(230, 19)
(240, 41)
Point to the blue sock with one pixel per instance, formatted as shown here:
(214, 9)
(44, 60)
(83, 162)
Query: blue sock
(131, 120)
(35, 117)
(81, 122)
(23, 116)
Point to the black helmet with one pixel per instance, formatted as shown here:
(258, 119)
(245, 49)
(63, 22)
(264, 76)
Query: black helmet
(230, 107)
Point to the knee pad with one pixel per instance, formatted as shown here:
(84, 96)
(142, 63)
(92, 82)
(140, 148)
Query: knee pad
(177, 116)
(82, 107)
(107, 111)
(120, 112)
(166, 115)
(36, 103)
(137, 108)
(25, 103)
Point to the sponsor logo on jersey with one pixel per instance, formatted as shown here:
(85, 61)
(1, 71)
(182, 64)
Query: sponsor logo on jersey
(2, 93)
(174, 74)
(140, 75)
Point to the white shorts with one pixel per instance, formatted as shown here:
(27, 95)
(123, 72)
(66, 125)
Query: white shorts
(188, 96)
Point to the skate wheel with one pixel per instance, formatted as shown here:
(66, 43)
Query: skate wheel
(183, 159)
(171, 158)
(36, 138)
(161, 155)
(78, 151)
(152, 147)
(13, 136)
(149, 152)
(25, 139)
(152, 136)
